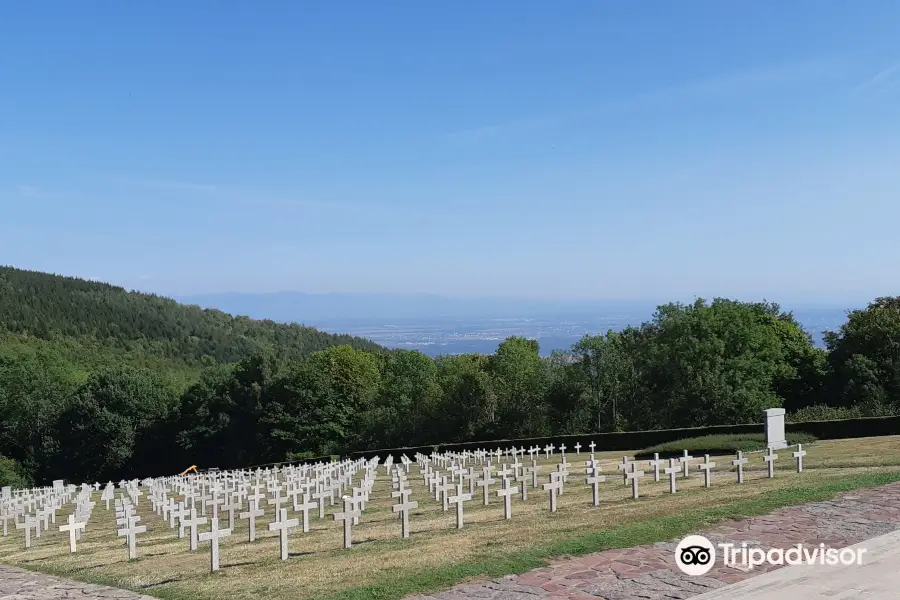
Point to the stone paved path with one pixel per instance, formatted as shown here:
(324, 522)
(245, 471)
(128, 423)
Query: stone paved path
(650, 573)
(19, 584)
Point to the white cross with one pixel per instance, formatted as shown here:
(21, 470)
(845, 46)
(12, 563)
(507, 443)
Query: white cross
(458, 500)
(304, 510)
(799, 454)
(706, 466)
(192, 522)
(130, 531)
(347, 516)
(623, 466)
(213, 536)
(506, 493)
(251, 514)
(770, 459)
(594, 479)
(403, 507)
(739, 462)
(281, 525)
(655, 464)
(552, 487)
(578, 448)
(686, 462)
(73, 528)
(634, 475)
(671, 471)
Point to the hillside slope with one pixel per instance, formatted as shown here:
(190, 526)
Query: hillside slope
(56, 308)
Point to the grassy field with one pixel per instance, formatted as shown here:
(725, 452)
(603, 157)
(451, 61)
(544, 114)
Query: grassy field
(382, 565)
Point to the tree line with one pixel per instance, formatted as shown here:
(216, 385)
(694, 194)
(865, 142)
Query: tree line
(705, 363)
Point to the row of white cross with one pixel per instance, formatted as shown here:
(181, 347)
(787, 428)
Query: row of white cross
(450, 477)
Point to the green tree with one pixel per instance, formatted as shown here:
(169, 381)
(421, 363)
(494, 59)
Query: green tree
(519, 380)
(34, 386)
(864, 357)
(468, 407)
(105, 423)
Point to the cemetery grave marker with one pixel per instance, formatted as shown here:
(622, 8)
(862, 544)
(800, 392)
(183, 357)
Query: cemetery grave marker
(672, 472)
(799, 454)
(770, 459)
(213, 536)
(706, 467)
(281, 525)
(739, 462)
(507, 492)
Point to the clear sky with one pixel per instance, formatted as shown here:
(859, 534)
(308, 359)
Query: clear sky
(530, 148)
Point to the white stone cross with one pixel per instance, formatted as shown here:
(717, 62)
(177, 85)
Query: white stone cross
(347, 516)
(594, 479)
(213, 536)
(655, 464)
(73, 528)
(251, 514)
(192, 522)
(459, 499)
(232, 506)
(634, 475)
(672, 471)
(799, 454)
(577, 448)
(592, 445)
(485, 483)
(706, 467)
(739, 462)
(403, 507)
(562, 449)
(281, 525)
(686, 463)
(553, 487)
(507, 493)
(130, 531)
(770, 459)
(304, 509)
(30, 522)
(623, 466)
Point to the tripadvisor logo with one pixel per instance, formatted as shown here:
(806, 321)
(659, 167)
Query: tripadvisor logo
(695, 555)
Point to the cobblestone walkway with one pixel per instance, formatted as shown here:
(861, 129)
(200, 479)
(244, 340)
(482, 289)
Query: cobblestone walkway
(650, 573)
(19, 584)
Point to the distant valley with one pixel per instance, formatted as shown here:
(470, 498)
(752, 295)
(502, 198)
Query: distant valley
(439, 325)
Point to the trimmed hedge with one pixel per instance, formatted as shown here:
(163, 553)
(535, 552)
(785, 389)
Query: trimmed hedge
(629, 440)
(719, 444)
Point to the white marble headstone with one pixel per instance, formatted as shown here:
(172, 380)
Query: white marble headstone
(774, 424)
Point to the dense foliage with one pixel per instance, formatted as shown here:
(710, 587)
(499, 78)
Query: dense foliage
(118, 389)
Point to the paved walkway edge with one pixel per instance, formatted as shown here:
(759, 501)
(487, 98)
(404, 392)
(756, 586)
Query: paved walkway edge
(876, 578)
(22, 584)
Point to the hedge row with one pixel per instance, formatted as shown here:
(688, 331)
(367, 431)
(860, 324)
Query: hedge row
(631, 440)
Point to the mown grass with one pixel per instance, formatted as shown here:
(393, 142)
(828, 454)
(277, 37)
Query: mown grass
(720, 444)
(382, 565)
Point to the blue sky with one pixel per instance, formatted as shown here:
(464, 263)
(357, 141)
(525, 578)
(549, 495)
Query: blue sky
(532, 149)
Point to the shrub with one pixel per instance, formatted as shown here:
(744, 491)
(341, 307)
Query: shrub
(719, 444)
(11, 474)
(821, 412)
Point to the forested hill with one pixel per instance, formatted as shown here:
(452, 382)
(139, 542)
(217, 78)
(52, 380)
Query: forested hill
(53, 307)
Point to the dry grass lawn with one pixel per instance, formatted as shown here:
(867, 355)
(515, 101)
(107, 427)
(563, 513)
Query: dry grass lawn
(318, 567)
